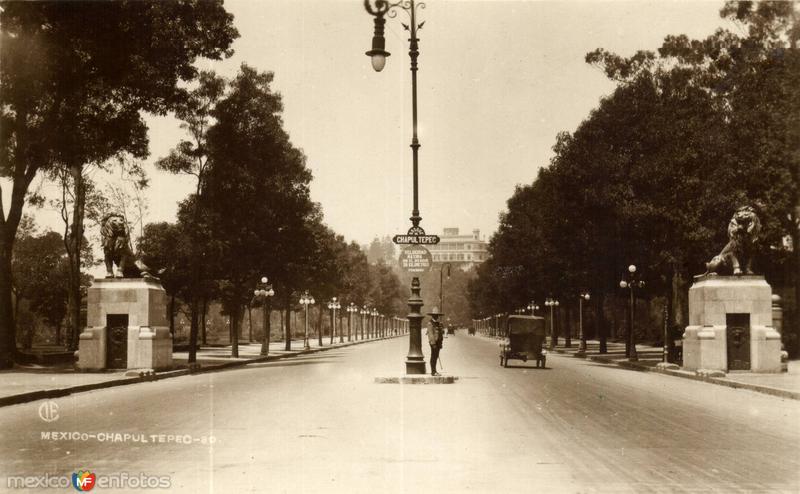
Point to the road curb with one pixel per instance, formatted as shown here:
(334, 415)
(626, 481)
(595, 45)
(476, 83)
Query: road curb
(158, 376)
(781, 393)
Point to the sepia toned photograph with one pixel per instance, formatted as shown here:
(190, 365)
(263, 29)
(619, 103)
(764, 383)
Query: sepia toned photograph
(400, 246)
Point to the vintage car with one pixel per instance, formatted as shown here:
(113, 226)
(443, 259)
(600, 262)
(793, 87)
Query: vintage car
(525, 336)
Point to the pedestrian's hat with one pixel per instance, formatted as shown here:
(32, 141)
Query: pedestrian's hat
(435, 312)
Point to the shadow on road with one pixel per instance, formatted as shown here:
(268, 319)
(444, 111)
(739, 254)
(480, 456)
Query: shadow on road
(328, 359)
(529, 367)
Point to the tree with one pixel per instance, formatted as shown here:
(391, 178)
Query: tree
(190, 157)
(72, 93)
(254, 169)
(40, 276)
(746, 86)
(165, 249)
(653, 174)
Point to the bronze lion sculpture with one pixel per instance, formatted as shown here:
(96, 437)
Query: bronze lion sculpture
(117, 250)
(737, 256)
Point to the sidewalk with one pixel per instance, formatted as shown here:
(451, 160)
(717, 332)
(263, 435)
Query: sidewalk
(784, 385)
(29, 383)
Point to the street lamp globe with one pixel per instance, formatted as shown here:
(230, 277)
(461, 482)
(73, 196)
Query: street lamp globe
(378, 53)
(632, 268)
(378, 59)
(264, 279)
(623, 284)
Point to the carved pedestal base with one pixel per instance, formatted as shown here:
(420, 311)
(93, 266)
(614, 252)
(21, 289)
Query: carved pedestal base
(127, 326)
(730, 326)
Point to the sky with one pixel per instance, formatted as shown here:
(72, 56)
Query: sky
(497, 82)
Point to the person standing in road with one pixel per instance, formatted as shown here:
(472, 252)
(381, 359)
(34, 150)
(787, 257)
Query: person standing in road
(435, 337)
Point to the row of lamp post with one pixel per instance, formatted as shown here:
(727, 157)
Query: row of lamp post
(264, 293)
(372, 323)
(631, 282)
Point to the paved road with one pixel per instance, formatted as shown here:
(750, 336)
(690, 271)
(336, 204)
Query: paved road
(320, 424)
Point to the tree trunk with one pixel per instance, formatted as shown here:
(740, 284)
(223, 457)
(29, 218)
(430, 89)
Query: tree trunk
(601, 324)
(267, 325)
(74, 242)
(796, 309)
(58, 334)
(234, 323)
(250, 322)
(319, 325)
(171, 315)
(288, 335)
(193, 330)
(204, 314)
(283, 327)
(8, 340)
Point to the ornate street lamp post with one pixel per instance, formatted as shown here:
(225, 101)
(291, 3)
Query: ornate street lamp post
(582, 348)
(632, 282)
(374, 314)
(265, 292)
(415, 360)
(334, 305)
(363, 320)
(351, 309)
(552, 303)
(533, 307)
(305, 301)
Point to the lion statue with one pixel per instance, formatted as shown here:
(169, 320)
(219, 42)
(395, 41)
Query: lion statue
(737, 256)
(117, 250)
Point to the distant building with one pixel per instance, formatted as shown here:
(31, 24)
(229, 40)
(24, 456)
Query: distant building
(464, 251)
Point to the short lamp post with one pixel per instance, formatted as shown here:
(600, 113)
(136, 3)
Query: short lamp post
(631, 283)
(264, 292)
(305, 301)
(582, 348)
(552, 303)
(351, 309)
(334, 305)
(375, 315)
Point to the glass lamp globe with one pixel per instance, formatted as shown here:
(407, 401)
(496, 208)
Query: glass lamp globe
(378, 61)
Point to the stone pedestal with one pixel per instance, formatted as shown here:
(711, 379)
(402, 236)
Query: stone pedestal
(126, 326)
(721, 311)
